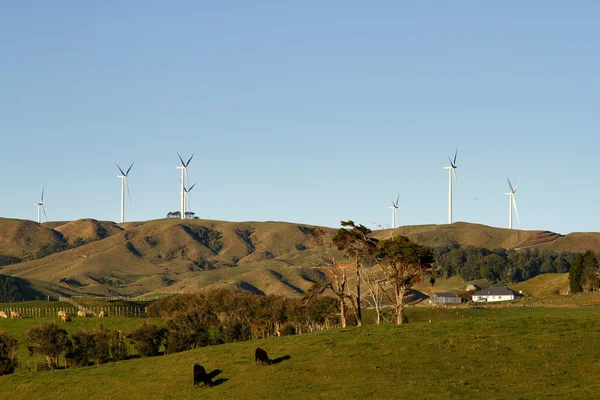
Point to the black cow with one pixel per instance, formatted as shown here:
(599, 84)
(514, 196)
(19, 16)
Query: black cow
(200, 376)
(261, 357)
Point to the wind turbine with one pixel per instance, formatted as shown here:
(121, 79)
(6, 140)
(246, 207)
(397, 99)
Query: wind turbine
(187, 194)
(512, 203)
(124, 182)
(40, 205)
(451, 171)
(183, 169)
(394, 209)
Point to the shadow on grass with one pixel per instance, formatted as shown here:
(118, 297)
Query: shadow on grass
(280, 359)
(214, 374)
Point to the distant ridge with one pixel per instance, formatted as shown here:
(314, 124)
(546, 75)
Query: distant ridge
(172, 255)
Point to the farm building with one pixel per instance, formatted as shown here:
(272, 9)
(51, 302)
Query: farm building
(445, 298)
(496, 294)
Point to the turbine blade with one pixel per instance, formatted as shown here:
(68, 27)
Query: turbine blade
(516, 187)
(397, 199)
(128, 194)
(180, 159)
(188, 163)
(186, 177)
(190, 189)
(188, 204)
(42, 194)
(511, 186)
(515, 206)
(129, 169)
(451, 164)
(44, 210)
(455, 154)
(120, 170)
(454, 173)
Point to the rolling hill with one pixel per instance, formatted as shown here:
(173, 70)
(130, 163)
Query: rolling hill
(171, 255)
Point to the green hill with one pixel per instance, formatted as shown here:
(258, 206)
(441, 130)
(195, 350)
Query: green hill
(477, 354)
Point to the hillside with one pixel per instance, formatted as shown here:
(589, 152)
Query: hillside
(466, 234)
(96, 257)
(180, 255)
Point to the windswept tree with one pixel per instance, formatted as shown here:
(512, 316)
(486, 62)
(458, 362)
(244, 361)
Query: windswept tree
(355, 242)
(405, 264)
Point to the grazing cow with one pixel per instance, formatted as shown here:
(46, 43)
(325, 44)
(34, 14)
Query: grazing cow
(62, 314)
(102, 314)
(261, 357)
(15, 315)
(3, 314)
(200, 376)
(81, 314)
(65, 318)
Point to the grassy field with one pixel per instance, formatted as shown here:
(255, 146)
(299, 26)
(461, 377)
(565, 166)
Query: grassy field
(17, 328)
(476, 354)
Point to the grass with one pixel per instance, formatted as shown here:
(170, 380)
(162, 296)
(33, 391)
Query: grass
(477, 354)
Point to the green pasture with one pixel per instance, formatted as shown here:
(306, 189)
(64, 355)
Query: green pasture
(513, 353)
(17, 328)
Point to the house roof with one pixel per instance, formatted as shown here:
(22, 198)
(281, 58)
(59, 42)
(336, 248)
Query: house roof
(497, 291)
(445, 294)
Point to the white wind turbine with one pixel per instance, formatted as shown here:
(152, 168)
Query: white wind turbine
(40, 206)
(394, 209)
(124, 183)
(512, 203)
(183, 169)
(451, 171)
(187, 194)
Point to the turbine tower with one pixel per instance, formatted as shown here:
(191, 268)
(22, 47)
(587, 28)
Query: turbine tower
(183, 169)
(394, 209)
(187, 194)
(512, 203)
(451, 171)
(40, 205)
(124, 182)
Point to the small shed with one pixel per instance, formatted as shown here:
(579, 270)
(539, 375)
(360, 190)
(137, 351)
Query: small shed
(445, 298)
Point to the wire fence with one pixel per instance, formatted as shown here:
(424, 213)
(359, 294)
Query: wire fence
(52, 312)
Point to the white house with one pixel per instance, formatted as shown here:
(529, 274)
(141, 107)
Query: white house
(496, 294)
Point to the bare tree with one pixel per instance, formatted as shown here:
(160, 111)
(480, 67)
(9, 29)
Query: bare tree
(324, 257)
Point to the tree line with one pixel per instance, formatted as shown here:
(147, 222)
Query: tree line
(499, 265)
(9, 289)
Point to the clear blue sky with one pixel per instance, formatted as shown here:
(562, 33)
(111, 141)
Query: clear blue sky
(312, 111)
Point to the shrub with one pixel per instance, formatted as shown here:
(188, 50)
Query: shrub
(48, 342)
(101, 352)
(118, 347)
(147, 339)
(83, 348)
(8, 354)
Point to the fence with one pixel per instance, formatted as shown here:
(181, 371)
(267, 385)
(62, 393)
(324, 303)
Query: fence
(150, 297)
(52, 312)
